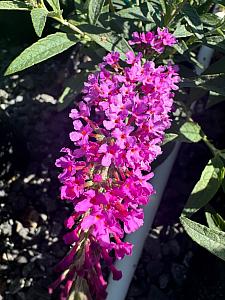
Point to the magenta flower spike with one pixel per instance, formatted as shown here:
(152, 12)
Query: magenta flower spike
(106, 176)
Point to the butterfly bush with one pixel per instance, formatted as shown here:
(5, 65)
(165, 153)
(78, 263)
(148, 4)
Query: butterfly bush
(118, 128)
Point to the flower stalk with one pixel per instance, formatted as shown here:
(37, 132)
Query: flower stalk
(118, 129)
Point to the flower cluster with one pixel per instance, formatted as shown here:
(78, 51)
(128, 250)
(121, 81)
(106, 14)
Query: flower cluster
(118, 129)
(156, 42)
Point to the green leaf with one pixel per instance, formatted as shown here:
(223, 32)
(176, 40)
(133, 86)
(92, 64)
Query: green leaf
(211, 239)
(169, 137)
(216, 42)
(39, 16)
(73, 87)
(155, 14)
(109, 40)
(222, 153)
(214, 220)
(42, 50)
(135, 13)
(206, 187)
(181, 31)
(94, 10)
(210, 19)
(223, 185)
(217, 68)
(193, 20)
(222, 2)
(212, 82)
(181, 47)
(14, 5)
(191, 131)
(54, 4)
(163, 5)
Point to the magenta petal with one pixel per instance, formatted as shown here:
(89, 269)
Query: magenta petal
(97, 178)
(71, 237)
(133, 222)
(117, 275)
(100, 199)
(75, 136)
(109, 125)
(74, 114)
(103, 148)
(88, 221)
(78, 153)
(66, 261)
(77, 124)
(69, 222)
(83, 205)
(56, 283)
(107, 159)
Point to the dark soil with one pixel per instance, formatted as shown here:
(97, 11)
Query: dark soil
(32, 132)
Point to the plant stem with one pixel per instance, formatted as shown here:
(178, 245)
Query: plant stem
(112, 8)
(212, 148)
(69, 25)
(60, 19)
(43, 5)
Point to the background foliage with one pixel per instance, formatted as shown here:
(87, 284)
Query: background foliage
(101, 26)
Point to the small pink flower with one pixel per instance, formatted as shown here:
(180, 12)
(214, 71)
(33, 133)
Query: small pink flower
(123, 136)
(82, 135)
(112, 58)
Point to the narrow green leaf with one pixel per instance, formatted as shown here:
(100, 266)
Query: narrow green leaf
(210, 19)
(181, 31)
(64, 94)
(54, 4)
(215, 221)
(42, 50)
(222, 154)
(206, 187)
(222, 2)
(39, 16)
(223, 185)
(14, 5)
(207, 81)
(212, 82)
(169, 137)
(163, 5)
(94, 10)
(155, 14)
(216, 68)
(135, 13)
(211, 239)
(112, 42)
(73, 87)
(193, 20)
(216, 41)
(210, 220)
(191, 131)
(109, 40)
(181, 47)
